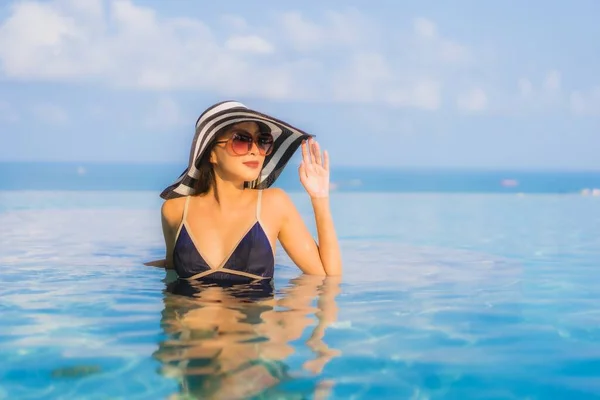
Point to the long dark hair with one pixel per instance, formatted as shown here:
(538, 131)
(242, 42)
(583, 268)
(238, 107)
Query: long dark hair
(206, 176)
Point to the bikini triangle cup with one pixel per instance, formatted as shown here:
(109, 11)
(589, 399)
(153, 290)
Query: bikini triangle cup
(255, 231)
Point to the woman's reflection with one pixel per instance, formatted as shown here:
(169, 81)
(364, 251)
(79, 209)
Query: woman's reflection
(232, 342)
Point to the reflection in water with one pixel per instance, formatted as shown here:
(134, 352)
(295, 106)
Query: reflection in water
(233, 342)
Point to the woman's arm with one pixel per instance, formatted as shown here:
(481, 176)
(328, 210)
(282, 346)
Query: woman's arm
(171, 214)
(324, 258)
(329, 250)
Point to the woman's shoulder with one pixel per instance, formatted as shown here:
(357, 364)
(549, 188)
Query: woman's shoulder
(277, 197)
(172, 209)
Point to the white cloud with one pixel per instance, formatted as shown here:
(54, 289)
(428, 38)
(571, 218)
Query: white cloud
(453, 52)
(525, 87)
(165, 114)
(249, 44)
(304, 35)
(337, 56)
(51, 113)
(348, 28)
(369, 78)
(472, 100)
(585, 102)
(363, 79)
(436, 47)
(425, 94)
(552, 81)
(424, 27)
(48, 50)
(131, 46)
(541, 94)
(550, 84)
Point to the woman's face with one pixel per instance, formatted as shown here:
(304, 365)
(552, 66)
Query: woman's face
(240, 151)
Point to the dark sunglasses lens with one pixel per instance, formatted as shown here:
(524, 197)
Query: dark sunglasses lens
(265, 144)
(241, 144)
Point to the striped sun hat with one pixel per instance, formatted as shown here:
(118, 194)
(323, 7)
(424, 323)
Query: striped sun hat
(286, 138)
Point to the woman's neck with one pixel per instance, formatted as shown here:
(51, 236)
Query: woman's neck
(227, 193)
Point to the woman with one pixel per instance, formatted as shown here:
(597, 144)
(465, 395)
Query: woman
(221, 219)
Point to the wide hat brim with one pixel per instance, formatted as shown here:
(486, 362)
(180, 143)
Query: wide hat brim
(287, 139)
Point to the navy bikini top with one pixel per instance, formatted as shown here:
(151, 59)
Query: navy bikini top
(250, 260)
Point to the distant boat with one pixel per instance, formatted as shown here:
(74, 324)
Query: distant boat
(509, 182)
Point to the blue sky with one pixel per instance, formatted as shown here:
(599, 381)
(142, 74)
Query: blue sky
(506, 84)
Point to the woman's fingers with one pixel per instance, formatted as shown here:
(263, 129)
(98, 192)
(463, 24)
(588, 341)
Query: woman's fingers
(302, 170)
(311, 154)
(317, 153)
(311, 142)
(305, 153)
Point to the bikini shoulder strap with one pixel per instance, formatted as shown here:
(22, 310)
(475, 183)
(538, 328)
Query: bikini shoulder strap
(183, 218)
(258, 204)
(185, 209)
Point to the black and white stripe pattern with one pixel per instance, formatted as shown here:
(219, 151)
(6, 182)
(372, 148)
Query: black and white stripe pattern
(287, 139)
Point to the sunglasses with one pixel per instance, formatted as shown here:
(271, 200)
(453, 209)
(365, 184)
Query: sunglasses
(241, 143)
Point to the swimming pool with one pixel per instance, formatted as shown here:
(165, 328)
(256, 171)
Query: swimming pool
(451, 296)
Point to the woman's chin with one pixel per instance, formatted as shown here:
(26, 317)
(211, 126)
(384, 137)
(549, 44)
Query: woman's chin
(245, 174)
(248, 177)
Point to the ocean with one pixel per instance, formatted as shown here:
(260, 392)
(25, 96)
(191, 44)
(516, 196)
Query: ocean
(154, 177)
(457, 285)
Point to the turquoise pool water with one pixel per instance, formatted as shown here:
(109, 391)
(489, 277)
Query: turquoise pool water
(445, 296)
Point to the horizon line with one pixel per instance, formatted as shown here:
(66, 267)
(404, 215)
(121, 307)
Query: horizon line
(333, 166)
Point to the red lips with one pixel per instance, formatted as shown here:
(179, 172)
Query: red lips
(252, 164)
